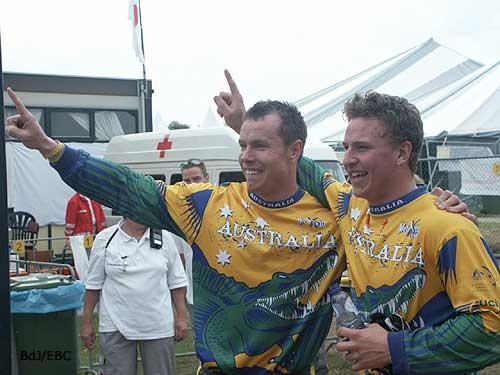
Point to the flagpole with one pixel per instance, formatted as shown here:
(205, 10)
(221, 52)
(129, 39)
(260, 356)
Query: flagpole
(144, 91)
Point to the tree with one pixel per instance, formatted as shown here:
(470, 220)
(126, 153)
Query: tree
(177, 125)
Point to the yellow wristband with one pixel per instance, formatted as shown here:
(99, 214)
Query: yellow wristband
(56, 153)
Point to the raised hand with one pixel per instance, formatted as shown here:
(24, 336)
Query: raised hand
(230, 104)
(26, 128)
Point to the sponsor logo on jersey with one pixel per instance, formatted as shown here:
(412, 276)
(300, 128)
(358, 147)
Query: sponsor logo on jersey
(412, 229)
(314, 223)
(483, 279)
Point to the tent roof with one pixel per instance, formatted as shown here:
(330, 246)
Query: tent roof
(415, 74)
(469, 107)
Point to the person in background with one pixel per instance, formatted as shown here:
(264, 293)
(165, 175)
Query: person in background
(83, 216)
(126, 261)
(194, 171)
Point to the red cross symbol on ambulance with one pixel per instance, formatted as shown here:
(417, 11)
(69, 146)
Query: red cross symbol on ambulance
(164, 145)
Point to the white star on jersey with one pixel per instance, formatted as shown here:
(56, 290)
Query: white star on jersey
(242, 244)
(261, 223)
(367, 230)
(245, 203)
(355, 213)
(223, 257)
(226, 211)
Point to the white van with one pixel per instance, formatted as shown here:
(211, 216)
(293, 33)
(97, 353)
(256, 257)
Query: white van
(160, 154)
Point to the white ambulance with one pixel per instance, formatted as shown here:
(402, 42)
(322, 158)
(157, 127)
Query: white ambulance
(160, 154)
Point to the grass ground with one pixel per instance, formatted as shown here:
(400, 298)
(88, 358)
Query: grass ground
(491, 233)
(186, 365)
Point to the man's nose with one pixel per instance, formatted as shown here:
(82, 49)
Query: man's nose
(349, 158)
(246, 155)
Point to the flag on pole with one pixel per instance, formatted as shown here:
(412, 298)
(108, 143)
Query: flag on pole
(133, 15)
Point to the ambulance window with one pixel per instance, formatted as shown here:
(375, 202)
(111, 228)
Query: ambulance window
(175, 178)
(231, 177)
(160, 177)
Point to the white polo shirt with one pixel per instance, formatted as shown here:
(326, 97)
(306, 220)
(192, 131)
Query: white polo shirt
(185, 249)
(135, 282)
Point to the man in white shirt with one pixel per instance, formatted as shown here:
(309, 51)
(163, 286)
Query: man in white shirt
(136, 274)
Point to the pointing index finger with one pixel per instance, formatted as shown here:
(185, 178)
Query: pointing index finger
(231, 83)
(21, 109)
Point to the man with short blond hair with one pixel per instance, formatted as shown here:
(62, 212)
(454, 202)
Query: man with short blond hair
(194, 171)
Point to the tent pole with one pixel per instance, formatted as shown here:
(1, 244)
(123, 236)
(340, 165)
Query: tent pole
(428, 161)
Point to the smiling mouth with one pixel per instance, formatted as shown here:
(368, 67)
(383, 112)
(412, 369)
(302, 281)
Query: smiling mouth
(251, 172)
(357, 175)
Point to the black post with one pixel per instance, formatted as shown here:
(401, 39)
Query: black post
(5, 348)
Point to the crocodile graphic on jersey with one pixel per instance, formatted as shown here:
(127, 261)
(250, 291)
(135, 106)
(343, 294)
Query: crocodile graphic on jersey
(274, 325)
(391, 299)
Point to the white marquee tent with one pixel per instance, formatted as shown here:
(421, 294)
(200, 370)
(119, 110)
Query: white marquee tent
(470, 107)
(415, 74)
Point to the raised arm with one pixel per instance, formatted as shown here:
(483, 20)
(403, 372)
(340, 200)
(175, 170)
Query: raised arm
(129, 193)
(230, 104)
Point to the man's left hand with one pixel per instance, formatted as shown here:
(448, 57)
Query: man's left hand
(181, 329)
(366, 348)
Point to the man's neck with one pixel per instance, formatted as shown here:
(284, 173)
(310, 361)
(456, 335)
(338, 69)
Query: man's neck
(278, 195)
(400, 191)
(133, 229)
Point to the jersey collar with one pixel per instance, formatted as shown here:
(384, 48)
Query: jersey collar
(399, 202)
(277, 204)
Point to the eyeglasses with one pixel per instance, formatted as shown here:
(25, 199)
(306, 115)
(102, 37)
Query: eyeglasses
(191, 163)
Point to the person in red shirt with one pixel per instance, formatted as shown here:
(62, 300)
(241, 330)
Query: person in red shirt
(83, 216)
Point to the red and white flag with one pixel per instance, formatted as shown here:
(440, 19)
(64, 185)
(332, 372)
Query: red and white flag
(133, 15)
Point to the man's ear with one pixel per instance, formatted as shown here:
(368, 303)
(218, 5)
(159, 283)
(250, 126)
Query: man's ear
(404, 153)
(296, 149)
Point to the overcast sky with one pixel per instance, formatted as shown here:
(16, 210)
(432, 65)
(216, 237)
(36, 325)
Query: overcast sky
(278, 49)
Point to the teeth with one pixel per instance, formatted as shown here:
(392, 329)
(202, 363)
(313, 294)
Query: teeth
(358, 174)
